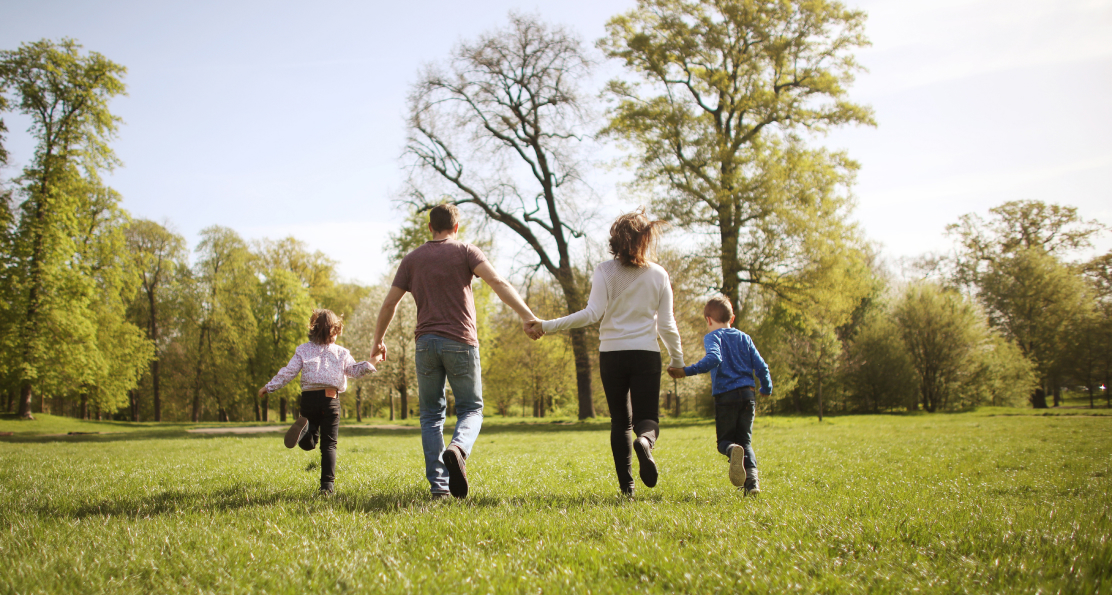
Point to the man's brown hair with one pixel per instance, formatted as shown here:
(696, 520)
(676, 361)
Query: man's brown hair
(324, 325)
(443, 217)
(633, 238)
(719, 309)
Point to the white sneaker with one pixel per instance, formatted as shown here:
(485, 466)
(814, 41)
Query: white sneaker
(737, 465)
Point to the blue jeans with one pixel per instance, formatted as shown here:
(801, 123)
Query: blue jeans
(439, 359)
(733, 422)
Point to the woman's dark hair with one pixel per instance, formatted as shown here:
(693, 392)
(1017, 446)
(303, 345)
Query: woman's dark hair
(324, 325)
(633, 238)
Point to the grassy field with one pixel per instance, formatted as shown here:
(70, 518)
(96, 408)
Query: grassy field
(986, 501)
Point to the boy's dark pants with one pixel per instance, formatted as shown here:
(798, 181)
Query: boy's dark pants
(323, 413)
(631, 380)
(733, 421)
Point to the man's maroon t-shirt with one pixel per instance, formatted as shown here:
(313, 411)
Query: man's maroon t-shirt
(439, 274)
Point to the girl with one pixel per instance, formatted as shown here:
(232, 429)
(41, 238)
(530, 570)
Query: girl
(633, 297)
(325, 368)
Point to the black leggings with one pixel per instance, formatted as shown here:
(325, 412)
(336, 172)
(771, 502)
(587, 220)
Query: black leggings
(631, 380)
(323, 413)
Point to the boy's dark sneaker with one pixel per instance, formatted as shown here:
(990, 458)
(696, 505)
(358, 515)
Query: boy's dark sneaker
(752, 484)
(644, 452)
(627, 493)
(440, 495)
(296, 432)
(737, 465)
(457, 471)
(326, 491)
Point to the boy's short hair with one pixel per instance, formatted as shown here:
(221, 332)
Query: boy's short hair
(323, 325)
(719, 309)
(443, 217)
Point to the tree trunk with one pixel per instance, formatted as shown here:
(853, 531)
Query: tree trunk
(403, 398)
(1038, 400)
(582, 372)
(819, 378)
(728, 235)
(359, 404)
(152, 334)
(282, 410)
(391, 404)
(134, 401)
(258, 411)
(25, 401)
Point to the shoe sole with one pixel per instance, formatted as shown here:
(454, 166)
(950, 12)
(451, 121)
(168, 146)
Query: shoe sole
(457, 473)
(649, 473)
(293, 435)
(737, 466)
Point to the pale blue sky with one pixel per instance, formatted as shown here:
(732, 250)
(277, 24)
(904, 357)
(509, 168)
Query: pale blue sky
(279, 118)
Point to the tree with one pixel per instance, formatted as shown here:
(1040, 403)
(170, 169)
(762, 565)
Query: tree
(499, 130)
(879, 371)
(156, 253)
(281, 309)
(65, 95)
(942, 332)
(1014, 264)
(726, 88)
(224, 328)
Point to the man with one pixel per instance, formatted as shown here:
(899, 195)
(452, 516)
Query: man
(439, 274)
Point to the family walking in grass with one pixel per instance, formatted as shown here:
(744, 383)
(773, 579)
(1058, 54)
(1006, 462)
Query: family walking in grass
(631, 299)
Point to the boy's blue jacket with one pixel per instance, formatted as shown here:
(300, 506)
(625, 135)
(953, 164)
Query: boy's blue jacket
(732, 360)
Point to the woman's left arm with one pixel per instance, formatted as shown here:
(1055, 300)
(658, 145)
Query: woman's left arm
(666, 324)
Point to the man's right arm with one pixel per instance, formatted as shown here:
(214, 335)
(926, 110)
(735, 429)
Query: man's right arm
(504, 290)
(385, 317)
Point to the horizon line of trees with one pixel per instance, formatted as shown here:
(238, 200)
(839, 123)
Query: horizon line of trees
(722, 102)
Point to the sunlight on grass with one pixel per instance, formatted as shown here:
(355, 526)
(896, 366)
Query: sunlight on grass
(941, 503)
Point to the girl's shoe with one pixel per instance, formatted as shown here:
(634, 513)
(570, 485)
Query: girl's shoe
(296, 432)
(737, 465)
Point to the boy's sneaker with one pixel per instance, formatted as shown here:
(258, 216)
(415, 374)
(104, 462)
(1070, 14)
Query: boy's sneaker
(752, 484)
(326, 490)
(296, 432)
(737, 465)
(627, 493)
(457, 471)
(644, 452)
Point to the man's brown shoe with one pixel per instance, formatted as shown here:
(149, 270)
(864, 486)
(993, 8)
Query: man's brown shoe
(457, 471)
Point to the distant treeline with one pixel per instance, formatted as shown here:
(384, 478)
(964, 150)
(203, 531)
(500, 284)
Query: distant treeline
(104, 315)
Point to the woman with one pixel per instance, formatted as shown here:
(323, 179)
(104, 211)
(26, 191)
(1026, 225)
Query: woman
(633, 297)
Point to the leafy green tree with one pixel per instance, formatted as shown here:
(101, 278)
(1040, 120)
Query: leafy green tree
(156, 254)
(501, 130)
(942, 332)
(223, 325)
(724, 88)
(282, 307)
(1015, 264)
(878, 368)
(65, 95)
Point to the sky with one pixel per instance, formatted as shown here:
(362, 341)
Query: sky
(287, 118)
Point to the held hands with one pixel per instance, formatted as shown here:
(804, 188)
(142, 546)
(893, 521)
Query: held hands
(378, 354)
(677, 373)
(533, 328)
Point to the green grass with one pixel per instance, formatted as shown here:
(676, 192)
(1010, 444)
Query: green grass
(939, 503)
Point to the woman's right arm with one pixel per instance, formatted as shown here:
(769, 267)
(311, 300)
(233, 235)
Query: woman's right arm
(285, 375)
(596, 306)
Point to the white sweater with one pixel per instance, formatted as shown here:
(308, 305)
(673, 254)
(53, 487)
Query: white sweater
(634, 304)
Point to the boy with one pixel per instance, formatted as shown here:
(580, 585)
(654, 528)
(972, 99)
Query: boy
(732, 360)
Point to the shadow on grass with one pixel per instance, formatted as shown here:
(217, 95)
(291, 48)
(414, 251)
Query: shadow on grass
(178, 432)
(351, 499)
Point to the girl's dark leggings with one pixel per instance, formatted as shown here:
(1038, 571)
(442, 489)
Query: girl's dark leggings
(631, 380)
(323, 413)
